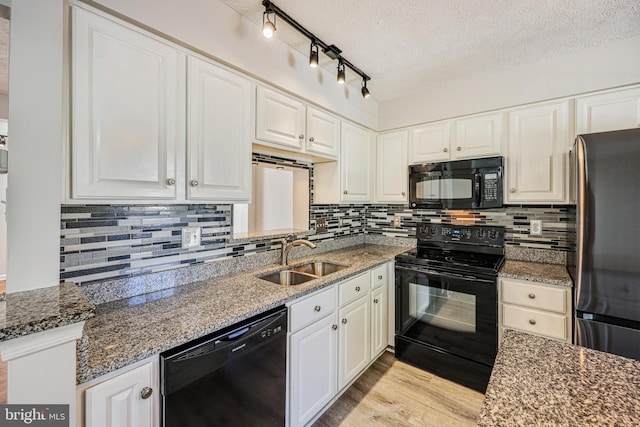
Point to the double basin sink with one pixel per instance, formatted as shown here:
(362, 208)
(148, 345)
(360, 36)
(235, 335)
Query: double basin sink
(303, 273)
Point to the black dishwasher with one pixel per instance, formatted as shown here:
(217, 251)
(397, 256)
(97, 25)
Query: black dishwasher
(233, 377)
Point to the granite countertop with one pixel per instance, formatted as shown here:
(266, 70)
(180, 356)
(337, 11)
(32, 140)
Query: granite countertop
(129, 330)
(28, 312)
(542, 382)
(554, 274)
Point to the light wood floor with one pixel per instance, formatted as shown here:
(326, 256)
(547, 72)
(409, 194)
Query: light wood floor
(3, 365)
(393, 393)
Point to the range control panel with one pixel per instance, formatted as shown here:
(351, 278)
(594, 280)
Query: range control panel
(475, 234)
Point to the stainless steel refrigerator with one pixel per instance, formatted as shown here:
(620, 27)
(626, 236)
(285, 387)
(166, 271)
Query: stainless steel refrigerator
(606, 266)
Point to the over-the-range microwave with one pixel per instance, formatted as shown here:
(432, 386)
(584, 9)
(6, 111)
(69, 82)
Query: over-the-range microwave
(459, 184)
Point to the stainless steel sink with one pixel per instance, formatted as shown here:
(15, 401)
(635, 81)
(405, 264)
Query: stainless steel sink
(288, 277)
(302, 273)
(320, 268)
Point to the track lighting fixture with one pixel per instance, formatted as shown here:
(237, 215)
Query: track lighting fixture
(332, 51)
(341, 72)
(313, 54)
(268, 27)
(365, 91)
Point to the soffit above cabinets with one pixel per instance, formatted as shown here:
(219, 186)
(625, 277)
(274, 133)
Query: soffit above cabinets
(408, 45)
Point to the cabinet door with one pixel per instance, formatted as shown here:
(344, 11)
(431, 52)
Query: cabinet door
(219, 134)
(378, 320)
(537, 153)
(118, 402)
(127, 114)
(392, 171)
(356, 154)
(323, 133)
(430, 143)
(354, 340)
(478, 136)
(313, 369)
(279, 119)
(608, 111)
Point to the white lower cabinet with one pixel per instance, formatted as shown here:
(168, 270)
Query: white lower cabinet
(129, 399)
(335, 334)
(537, 308)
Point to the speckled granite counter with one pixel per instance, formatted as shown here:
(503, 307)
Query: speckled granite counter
(541, 382)
(132, 329)
(555, 274)
(28, 312)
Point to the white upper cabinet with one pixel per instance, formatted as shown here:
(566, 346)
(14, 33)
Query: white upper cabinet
(323, 133)
(279, 119)
(127, 112)
(356, 164)
(477, 136)
(430, 143)
(537, 157)
(392, 167)
(608, 111)
(218, 134)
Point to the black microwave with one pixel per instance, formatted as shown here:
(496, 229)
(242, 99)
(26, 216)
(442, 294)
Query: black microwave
(459, 184)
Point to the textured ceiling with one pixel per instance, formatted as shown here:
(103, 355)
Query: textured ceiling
(408, 45)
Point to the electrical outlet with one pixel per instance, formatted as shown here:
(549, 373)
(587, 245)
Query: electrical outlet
(191, 237)
(397, 221)
(535, 227)
(321, 225)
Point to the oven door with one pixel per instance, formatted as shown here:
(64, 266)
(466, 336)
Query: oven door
(445, 189)
(452, 313)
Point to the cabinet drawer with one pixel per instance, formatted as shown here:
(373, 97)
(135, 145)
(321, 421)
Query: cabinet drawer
(534, 321)
(354, 288)
(378, 276)
(305, 312)
(535, 296)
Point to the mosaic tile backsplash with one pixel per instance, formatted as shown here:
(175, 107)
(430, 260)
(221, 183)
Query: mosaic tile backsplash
(106, 241)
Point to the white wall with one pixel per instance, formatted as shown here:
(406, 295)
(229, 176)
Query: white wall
(35, 118)
(216, 29)
(609, 65)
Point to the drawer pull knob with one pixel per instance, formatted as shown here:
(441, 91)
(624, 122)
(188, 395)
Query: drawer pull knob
(171, 181)
(344, 321)
(334, 327)
(445, 150)
(459, 148)
(375, 301)
(194, 183)
(532, 321)
(532, 296)
(301, 136)
(512, 190)
(380, 277)
(312, 139)
(316, 308)
(357, 288)
(345, 191)
(146, 392)
(403, 193)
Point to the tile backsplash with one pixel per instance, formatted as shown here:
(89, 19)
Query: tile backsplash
(108, 241)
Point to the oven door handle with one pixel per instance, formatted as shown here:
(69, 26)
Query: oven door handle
(444, 275)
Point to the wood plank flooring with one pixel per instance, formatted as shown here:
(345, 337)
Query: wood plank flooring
(3, 365)
(393, 393)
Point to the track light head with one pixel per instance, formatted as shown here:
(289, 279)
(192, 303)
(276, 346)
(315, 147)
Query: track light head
(341, 76)
(365, 91)
(313, 54)
(268, 27)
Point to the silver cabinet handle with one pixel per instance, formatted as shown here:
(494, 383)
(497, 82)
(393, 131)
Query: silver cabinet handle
(532, 321)
(344, 192)
(357, 288)
(445, 150)
(146, 392)
(532, 296)
(171, 181)
(334, 327)
(316, 308)
(301, 136)
(375, 301)
(194, 183)
(380, 277)
(311, 139)
(459, 148)
(512, 190)
(344, 321)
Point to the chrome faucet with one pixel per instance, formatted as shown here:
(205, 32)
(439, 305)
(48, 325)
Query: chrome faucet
(287, 246)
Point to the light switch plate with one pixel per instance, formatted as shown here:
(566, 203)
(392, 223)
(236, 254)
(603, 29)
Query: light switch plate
(191, 237)
(535, 227)
(321, 225)
(397, 221)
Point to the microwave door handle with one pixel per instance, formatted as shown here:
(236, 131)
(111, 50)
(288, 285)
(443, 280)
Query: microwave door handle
(477, 189)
